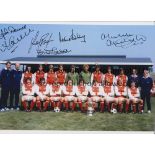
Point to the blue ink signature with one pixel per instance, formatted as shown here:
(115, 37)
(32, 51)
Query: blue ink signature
(123, 40)
(40, 42)
(72, 37)
(53, 51)
(8, 41)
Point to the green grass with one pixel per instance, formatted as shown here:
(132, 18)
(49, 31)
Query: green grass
(19, 120)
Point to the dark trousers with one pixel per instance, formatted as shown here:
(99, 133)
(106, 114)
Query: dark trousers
(4, 97)
(14, 94)
(146, 96)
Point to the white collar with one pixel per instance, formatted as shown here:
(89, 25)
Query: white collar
(7, 69)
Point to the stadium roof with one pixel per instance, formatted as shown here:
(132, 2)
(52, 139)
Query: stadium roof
(82, 59)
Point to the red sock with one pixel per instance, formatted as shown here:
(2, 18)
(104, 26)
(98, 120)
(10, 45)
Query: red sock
(102, 106)
(24, 105)
(80, 105)
(66, 105)
(94, 105)
(38, 103)
(32, 105)
(86, 106)
(52, 104)
(113, 106)
(120, 107)
(134, 108)
(127, 107)
(58, 104)
(73, 106)
(46, 105)
(140, 107)
(109, 108)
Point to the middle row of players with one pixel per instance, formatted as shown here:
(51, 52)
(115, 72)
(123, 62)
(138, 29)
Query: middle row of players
(71, 96)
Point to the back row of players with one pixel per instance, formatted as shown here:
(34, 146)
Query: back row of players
(67, 90)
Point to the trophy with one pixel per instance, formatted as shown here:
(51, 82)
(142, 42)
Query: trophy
(90, 109)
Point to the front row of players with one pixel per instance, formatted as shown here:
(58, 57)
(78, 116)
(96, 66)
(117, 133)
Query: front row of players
(68, 97)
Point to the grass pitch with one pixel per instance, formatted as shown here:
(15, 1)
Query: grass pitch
(76, 121)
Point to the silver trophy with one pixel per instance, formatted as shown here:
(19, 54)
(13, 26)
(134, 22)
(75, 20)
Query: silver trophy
(90, 109)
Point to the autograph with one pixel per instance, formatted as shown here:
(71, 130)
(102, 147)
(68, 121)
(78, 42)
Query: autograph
(9, 30)
(42, 42)
(71, 37)
(123, 40)
(53, 51)
(10, 43)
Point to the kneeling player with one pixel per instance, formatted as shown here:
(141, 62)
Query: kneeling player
(96, 92)
(81, 91)
(121, 94)
(134, 97)
(108, 93)
(55, 95)
(28, 95)
(69, 95)
(42, 91)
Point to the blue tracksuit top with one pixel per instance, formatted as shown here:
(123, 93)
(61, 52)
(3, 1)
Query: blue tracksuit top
(146, 84)
(131, 79)
(5, 78)
(16, 76)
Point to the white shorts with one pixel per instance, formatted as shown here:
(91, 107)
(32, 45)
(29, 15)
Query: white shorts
(55, 98)
(109, 99)
(82, 98)
(69, 98)
(96, 98)
(43, 97)
(27, 98)
(134, 98)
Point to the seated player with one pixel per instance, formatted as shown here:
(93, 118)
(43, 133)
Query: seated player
(121, 96)
(55, 95)
(28, 95)
(122, 77)
(153, 89)
(134, 97)
(81, 91)
(96, 93)
(108, 94)
(69, 95)
(42, 91)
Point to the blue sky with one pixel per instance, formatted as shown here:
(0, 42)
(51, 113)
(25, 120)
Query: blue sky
(94, 45)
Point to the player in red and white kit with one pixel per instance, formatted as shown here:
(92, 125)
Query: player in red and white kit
(121, 96)
(55, 95)
(50, 76)
(109, 77)
(122, 77)
(109, 96)
(61, 75)
(27, 74)
(42, 91)
(134, 97)
(97, 75)
(28, 91)
(96, 93)
(153, 89)
(69, 96)
(39, 75)
(82, 92)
